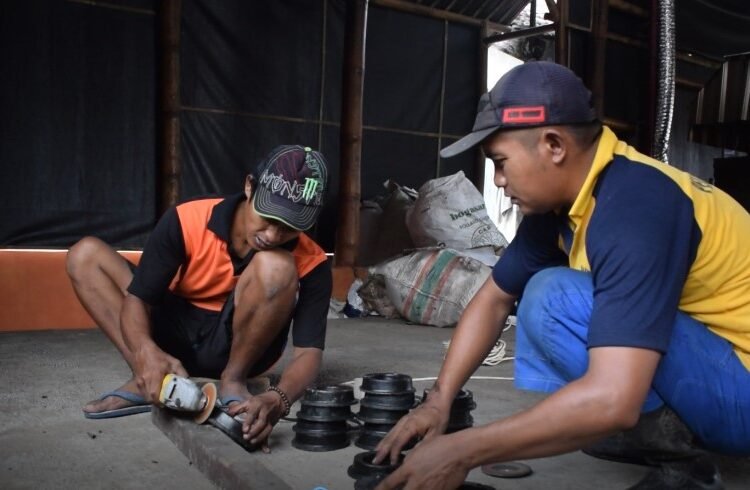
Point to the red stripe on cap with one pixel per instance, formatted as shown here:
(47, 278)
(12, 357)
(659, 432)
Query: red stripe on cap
(517, 115)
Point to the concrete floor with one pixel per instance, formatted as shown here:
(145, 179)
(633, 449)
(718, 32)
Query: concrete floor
(46, 443)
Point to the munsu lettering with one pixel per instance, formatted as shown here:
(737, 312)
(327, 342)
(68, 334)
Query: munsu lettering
(292, 190)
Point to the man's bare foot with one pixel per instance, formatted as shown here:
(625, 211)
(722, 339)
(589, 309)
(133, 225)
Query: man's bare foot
(113, 402)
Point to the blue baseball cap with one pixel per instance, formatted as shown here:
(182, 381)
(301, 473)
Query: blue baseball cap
(536, 93)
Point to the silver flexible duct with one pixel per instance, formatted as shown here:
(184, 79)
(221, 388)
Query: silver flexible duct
(665, 82)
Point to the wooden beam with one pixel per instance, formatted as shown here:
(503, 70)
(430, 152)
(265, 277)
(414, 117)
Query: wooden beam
(112, 6)
(169, 165)
(618, 125)
(689, 84)
(426, 11)
(347, 231)
(629, 8)
(693, 58)
(529, 31)
(554, 12)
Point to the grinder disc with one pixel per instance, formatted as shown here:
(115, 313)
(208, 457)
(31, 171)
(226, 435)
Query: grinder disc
(208, 389)
(507, 470)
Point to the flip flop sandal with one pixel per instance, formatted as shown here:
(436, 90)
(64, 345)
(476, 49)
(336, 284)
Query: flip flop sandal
(140, 405)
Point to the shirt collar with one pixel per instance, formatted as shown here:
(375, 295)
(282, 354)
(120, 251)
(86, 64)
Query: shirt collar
(220, 223)
(222, 216)
(604, 153)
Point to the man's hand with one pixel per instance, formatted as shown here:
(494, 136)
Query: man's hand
(151, 365)
(427, 421)
(420, 471)
(261, 412)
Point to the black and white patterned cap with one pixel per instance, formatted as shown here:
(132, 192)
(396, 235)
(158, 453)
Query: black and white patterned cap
(291, 185)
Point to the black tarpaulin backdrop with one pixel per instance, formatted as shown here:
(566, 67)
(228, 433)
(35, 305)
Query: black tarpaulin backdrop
(77, 131)
(78, 140)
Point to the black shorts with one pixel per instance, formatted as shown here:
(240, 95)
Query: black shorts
(201, 339)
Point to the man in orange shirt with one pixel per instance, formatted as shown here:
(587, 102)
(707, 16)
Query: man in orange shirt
(214, 295)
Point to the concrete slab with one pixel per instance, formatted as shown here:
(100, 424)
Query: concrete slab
(223, 462)
(46, 443)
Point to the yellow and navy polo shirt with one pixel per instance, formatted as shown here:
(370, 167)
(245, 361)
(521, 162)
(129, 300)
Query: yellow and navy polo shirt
(189, 254)
(655, 240)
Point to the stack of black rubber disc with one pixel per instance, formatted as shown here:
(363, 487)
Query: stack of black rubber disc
(460, 417)
(321, 422)
(388, 397)
(368, 474)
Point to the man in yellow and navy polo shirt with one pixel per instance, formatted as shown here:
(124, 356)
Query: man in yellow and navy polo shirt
(219, 285)
(635, 302)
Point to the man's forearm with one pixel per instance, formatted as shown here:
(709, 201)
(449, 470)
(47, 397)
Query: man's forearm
(607, 399)
(148, 362)
(478, 329)
(562, 423)
(135, 324)
(301, 372)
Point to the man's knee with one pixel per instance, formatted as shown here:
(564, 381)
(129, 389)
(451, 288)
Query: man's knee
(273, 272)
(558, 291)
(82, 255)
(537, 292)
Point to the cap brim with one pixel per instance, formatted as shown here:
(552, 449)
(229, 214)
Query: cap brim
(298, 216)
(467, 142)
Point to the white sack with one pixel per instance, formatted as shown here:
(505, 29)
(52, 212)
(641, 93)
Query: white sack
(450, 212)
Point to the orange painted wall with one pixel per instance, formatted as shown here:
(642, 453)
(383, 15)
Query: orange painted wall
(36, 294)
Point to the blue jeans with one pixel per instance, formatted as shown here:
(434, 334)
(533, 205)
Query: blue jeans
(699, 377)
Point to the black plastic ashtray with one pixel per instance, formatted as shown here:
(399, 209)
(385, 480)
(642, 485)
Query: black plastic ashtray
(387, 383)
(455, 428)
(308, 427)
(320, 443)
(509, 469)
(324, 414)
(364, 467)
(463, 420)
(320, 436)
(371, 434)
(374, 415)
(400, 401)
(470, 485)
(369, 440)
(329, 396)
(379, 428)
(463, 402)
(368, 482)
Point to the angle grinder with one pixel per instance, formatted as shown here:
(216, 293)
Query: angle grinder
(184, 395)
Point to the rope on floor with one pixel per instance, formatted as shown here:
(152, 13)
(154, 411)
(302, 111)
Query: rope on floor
(497, 353)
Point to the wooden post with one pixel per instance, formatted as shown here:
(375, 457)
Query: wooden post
(646, 137)
(347, 230)
(599, 20)
(561, 33)
(169, 164)
(482, 87)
